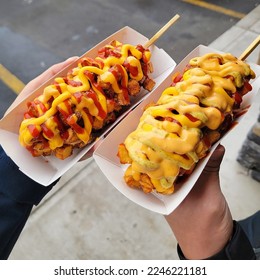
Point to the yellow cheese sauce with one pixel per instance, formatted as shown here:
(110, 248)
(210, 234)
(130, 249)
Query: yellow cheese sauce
(170, 132)
(64, 95)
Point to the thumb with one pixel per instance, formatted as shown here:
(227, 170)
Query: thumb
(215, 160)
(210, 173)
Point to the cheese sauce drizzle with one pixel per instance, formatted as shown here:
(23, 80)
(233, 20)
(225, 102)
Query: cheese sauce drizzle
(79, 95)
(170, 133)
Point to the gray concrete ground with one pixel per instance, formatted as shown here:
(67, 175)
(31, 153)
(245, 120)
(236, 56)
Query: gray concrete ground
(85, 217)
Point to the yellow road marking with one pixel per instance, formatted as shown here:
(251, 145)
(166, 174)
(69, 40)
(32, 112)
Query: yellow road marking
(11, 80)
(215, 8)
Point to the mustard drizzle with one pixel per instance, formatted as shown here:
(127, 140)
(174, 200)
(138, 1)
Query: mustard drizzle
(60, 92)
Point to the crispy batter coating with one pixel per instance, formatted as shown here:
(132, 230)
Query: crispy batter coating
(191, 115)
(85, 100)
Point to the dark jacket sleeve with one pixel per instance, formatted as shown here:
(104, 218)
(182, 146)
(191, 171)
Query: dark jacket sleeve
(238, 247)
(251, 225)
(18, 194)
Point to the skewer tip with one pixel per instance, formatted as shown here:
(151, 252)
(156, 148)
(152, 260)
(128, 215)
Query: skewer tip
(161, 31)
(250, 48)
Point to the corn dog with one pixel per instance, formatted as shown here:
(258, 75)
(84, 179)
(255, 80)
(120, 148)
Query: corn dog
(190, 116)
(92, 94)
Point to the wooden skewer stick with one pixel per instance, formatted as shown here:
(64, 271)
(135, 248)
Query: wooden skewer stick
(250, 48)
(161, 31)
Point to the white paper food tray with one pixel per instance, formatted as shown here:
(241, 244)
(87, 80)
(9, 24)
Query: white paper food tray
(106, 154)
(46, 170)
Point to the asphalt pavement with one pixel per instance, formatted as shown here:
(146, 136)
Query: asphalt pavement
(36, 34)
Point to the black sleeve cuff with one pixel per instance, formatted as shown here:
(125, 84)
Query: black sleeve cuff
(17, 185)
(238, 248)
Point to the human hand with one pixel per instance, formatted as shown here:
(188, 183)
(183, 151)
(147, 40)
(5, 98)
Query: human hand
(39, 80)
(202, 223)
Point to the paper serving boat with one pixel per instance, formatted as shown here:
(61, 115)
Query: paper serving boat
(46, 170)
(106, 154)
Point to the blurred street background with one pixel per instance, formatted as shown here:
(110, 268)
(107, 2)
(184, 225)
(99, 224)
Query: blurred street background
(85, 217)
(38, 33)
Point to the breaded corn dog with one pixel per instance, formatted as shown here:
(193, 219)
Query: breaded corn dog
(92, 94)
(190, 116)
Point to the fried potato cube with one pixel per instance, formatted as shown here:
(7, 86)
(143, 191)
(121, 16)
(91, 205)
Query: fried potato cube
(41, 149)
(148, 84)
(130, 181)
(150, 67)
(112, 106)
(123, 99)
(98, 124)
(63, 152)
(133, 87)
(146, 183)
(111, 117)
(72, 138)
(143, 183)
(213, 136)
(123, 154)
